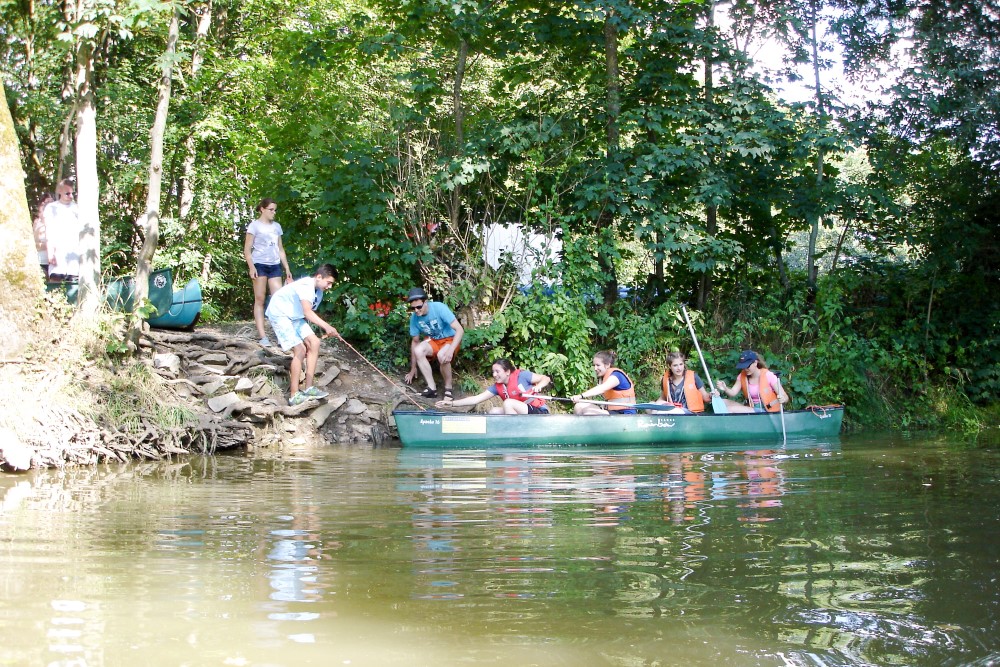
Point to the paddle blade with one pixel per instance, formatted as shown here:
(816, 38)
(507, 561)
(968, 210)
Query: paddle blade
(719, 406)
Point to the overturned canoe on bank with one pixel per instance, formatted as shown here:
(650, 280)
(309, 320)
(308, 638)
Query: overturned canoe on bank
(431, 428)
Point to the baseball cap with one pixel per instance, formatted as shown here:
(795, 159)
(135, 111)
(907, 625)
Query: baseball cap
(747, 358)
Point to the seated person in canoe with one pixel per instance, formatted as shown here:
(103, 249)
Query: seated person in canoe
(682, 390)
(761, 388)
(615, 387)
(514, 385)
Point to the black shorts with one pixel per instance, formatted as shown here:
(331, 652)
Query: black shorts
(542, 410)
(268, 270)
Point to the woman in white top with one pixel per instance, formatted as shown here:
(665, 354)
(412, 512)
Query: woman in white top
(265, 256)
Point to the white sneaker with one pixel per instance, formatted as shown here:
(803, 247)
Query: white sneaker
(265, 342)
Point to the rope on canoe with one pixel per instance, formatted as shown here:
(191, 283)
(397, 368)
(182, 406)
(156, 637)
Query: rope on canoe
(821, 410)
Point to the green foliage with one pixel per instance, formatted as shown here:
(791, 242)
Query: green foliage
(550, 335)
(353, 117)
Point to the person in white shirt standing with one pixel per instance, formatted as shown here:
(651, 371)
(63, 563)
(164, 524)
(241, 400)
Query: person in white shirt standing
(38, 229)
(265, 257)
(291, 310)
(62, 234)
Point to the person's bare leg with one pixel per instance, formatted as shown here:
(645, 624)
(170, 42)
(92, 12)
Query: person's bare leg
(424, 364)
(512, 407)
(259, 293)
(295, 370)
(446, 375)
(312, 356)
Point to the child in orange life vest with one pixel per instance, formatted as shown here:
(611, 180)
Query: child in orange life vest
(615, 387)
(514, 385)
(683, 391)
(760, 387)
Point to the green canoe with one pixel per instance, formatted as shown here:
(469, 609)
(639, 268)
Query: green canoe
(432, 428)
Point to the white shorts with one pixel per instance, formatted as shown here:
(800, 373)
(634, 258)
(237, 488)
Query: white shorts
(290, 332)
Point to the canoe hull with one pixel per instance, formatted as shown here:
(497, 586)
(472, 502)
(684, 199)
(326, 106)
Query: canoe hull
(121, 291)
(433, 429)
(184, 310)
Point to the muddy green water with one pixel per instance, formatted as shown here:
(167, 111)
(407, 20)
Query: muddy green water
(860, 551)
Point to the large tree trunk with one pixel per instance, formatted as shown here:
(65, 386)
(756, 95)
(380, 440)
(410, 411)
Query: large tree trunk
(815, 217)
(19, 272)
(186, 186)
(605, 222)
(87, 184)
(455, 214)
(711, 210)
(150, 222)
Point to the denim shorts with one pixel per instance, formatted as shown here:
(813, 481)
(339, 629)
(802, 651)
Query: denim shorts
(268, 270)
(290, 332)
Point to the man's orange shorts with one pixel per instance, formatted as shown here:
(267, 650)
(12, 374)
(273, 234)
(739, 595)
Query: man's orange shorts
(437, 344)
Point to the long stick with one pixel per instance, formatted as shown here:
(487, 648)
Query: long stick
(379, 371)
(719, 406)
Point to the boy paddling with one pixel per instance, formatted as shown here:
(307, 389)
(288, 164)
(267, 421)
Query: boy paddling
(290, 312)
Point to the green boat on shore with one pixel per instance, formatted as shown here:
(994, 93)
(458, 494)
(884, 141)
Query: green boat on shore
(436, 429)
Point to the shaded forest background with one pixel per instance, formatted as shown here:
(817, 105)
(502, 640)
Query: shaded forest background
(852, 243)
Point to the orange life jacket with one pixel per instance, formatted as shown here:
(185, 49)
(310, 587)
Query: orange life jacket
(513, 390)
(695, 401)
(612, 394)
(767, 395)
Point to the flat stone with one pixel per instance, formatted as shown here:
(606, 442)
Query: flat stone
(320, 414)
(336, 401)
(244, 384)
(210, 388)
(202, 369)
(215, 359)
(220, 403)
(169, 361)
(354, 407)
(329, 376)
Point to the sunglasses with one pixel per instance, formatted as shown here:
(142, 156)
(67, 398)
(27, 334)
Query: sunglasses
(415, 308)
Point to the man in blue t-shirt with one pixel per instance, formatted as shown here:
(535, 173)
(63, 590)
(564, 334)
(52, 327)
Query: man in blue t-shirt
(442, 336)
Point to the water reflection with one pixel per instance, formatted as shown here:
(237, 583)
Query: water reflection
(809, 555)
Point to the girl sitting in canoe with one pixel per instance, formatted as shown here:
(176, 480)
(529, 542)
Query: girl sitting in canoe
(615, 386)
(514, 385)
(683, 391)
(760, 387)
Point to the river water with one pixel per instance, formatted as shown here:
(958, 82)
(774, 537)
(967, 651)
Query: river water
(857, 551)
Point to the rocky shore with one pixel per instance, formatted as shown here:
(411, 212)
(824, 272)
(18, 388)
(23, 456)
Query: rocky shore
(233, 394)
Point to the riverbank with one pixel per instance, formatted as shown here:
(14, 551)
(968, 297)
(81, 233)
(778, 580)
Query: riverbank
(211, 390)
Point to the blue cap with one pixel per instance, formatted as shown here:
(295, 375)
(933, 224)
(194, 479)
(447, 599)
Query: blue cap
(747, 358)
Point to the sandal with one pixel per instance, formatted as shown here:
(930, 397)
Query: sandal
(447, 393)
(429, 393)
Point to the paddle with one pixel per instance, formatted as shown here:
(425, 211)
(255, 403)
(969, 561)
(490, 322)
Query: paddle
(719, 406)
(781, 409)
(637, 406)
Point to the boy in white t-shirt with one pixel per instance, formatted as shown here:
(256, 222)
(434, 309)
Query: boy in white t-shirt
(291, 310)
